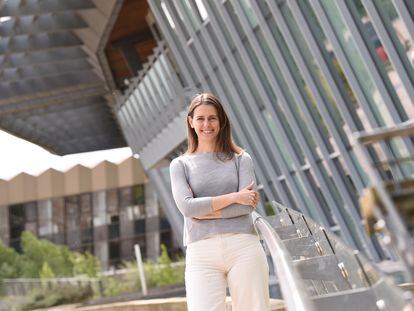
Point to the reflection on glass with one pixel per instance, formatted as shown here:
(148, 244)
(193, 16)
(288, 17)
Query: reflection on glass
(247, 9)
(168, 15)
(397, 30)
(345, 37)
(201, 9)
(308, 95)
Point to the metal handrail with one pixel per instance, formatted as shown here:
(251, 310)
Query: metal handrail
(294, 294)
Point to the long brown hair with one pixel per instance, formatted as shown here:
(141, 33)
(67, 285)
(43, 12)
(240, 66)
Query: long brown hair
(224, 143)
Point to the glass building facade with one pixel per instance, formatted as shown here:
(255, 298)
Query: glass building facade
(298, 79)
(108, 230)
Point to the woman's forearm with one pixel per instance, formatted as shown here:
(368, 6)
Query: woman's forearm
(222, 201)
(236, 210)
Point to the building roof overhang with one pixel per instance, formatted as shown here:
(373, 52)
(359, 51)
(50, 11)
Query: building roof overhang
(55, 81)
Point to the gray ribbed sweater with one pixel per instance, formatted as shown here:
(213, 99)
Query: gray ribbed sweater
(196, 178)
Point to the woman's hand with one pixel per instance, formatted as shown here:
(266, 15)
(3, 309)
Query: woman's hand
(248, 196)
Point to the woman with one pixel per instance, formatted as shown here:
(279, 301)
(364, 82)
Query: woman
(212, 185)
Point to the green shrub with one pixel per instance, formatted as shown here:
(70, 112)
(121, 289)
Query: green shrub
(269, 209)
(163, 272)
(113, 286)
(132, 279)
(41, 255)
(46, 272)
(36, 252)
(85, 264)
(9, 262)
(57, 295)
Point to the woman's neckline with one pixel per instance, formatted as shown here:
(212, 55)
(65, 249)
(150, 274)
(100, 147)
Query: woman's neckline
(205, 153)
(200, 153)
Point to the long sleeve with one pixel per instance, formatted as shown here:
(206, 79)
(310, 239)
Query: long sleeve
(246, 176)
(183, 196)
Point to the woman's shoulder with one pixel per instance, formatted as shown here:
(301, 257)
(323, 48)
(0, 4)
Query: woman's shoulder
(243, 155)
(182, 160)
(178, 161)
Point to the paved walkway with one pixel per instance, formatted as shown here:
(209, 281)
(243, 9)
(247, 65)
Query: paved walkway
(165, 304)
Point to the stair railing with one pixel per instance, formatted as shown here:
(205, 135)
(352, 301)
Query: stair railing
(294, 294)
(317, 271)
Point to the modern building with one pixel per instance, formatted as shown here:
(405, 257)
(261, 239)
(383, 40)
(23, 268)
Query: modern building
(105, 210)
(298, 78)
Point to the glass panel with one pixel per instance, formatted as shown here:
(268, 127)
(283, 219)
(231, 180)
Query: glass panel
(201, 9)
(139, 226)
(86, 225)
(144, 101)
(45, 219)
(139, 107)
(225, 31)
(234, 19)
(309, 208)
(150, 96)
(165, 76)
(280, 219)
(58, 210)
(384, 288)
(308, 95)
(326, 265)
(279, 143)
(289, 195)
(321, 199)
(30, 211)
(393, 23)
(291, 101)
(17, 221)
(247, 8)
(112, 215)
(347, 263)
(154, 89)
(359, 167)
(160, 83)
(377, 104)
(73, 234)
(114, 253)
(168, 15)
(99, 208)
(138, 194)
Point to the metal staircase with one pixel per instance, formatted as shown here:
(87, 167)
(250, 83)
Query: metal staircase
(317, 271)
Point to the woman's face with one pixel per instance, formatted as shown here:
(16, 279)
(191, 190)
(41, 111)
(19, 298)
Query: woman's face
(205, 122)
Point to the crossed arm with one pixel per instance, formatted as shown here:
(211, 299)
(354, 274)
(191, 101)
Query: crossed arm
(222, 206)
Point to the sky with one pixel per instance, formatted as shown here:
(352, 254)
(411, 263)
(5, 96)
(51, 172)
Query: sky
(18, 155)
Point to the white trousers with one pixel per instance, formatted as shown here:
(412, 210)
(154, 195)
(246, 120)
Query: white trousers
(234, 260)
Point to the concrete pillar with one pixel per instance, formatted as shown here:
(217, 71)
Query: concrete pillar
(4, 224)
(100, 231)
(152, 222)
